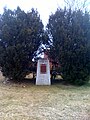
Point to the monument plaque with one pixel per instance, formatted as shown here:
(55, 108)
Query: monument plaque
(43, 68)
(43, 72)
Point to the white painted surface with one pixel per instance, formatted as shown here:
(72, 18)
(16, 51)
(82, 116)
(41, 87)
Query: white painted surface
(43, 79)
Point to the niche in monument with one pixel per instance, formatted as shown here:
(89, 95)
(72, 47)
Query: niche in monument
(43, 72)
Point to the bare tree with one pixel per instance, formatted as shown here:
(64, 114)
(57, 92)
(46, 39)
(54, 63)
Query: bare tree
(77, 4)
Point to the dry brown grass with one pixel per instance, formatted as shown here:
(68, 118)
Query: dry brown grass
(56, 102)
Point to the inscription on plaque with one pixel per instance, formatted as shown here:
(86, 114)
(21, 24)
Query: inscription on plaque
(43, 68)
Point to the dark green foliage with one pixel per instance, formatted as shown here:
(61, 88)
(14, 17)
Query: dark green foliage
(20, 36)
(70, 33)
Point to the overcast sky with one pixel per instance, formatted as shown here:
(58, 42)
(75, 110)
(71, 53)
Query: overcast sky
(44, 7)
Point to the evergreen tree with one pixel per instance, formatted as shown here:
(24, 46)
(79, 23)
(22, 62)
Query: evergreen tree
(70, 34)
(20, 36)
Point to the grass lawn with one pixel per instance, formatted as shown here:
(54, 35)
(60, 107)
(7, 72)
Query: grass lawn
(27, 101)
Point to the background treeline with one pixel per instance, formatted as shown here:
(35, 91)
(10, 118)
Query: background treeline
(67, 35)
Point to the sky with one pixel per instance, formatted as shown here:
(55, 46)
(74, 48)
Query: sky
(44, 7)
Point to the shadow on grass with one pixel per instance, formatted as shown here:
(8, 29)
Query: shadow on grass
(29, 81)
(56, 82)
(33, 81)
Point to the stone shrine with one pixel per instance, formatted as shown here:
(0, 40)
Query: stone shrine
(43, 72)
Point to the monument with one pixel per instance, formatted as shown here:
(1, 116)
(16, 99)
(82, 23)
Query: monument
(43, 72)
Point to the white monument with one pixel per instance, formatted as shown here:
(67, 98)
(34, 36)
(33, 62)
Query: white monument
(43, 72)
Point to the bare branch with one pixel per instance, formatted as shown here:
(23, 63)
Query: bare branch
(84, 4)
(76, 4)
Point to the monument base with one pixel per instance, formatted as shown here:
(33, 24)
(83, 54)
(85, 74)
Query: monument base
(43, 72)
